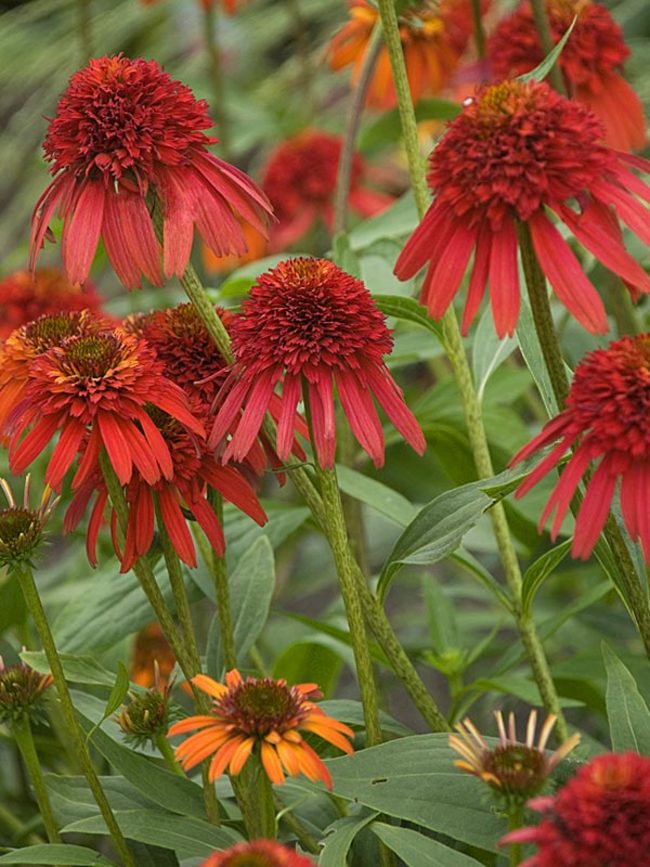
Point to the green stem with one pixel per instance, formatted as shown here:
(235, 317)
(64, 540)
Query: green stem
(345, 567)
(286, 817)
(210, 28)
(37, 612)
(540, 15)
(635, 594)
(297, 18)
(18, 832)
(515, 821)
(222, 593)
(479, 32)
(22, 731)
(167, 752)
(463, 376)
(85, 30)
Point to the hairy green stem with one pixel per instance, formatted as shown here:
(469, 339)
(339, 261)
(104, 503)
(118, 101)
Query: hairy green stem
(22, 732)
(210, 37)
(345, 567)
(35, 606)
(463, 376)
(167, 752)
(286, 817)
(479, 32)
(540, 15)
(18, 833)
(222, 593)
(515, 821)
(297, 18)
(84, 26)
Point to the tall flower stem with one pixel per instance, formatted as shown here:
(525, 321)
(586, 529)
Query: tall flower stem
(210, 37)
(147, 580)
(22, 732)
(35, 606)
(222, 593)
(297, 18)
(515, 821)
(84, 25)
(338, 539)
(540, 16)
(165, 749)
(479, 32)
(635, 594)
(462, 372)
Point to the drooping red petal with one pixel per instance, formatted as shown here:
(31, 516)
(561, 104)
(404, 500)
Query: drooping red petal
(504, 279)
(632, 212)
(204, 514)
(22, 454)
(564, 490)
(94, 525)
(116, 445)
(176, 526)
(392, 401)
(81, 231)
(230, 399)
(444, 276)
(249, 425)
(232, 485)
(479, 278)
(360, 411)
(72, 434)
(421, 246)
(286, 422)
(323, 420)
(594, 510)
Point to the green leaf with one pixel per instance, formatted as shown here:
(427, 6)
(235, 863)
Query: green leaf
(117, 696)
(395, 222)
(627, 712)
(538, 571)
(351, 712)
(252, 583)
(531, 352)
(409, 310)
(72, 799)
(307, 662)
(344, 256)
(187, 836)
(342, 635)
(416, 850)
(440, 526)
(78, 669)
(540, 72)
(56, 853)
(339, 837)
(488, 352)
(388, 127)
(414, 779)
(380, 497)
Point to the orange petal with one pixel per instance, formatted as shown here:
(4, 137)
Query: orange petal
(233, 678)
(329, 735)
(241, 755)
(207, 684)
(190, 724)
(271, 763)
(220, 762)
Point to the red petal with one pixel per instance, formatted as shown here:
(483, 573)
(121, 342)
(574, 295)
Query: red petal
(323, 421)
(176, 526)
(392, 401)
(204, 514)
(479, 276)
(444, 276)
(286, 423)
(593, 511)
(360, 411)
(81, 232)
(67, 447)
(249, 425)
(34, 443)
(504, 279)
(116, 445)
(423, 244)
(233, 487)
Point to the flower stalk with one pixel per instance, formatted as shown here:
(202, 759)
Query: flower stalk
(35, 606)
(210, 37)
(463, 376)
(22, 731)
(222, 593)
(540, 15)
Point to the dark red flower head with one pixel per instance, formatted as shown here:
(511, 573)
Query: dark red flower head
(517, 153)
(300, 181)
(600, 818)
(124, 128)
(311, 326)
(606, 418)
(590, 61)
(24, 297)
(259, 853)
(93, 389)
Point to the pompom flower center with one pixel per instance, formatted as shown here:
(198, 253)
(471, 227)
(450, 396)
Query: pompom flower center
(119, 116)
(48, 331)
(92, 356)
(261, 706)
(516, 146)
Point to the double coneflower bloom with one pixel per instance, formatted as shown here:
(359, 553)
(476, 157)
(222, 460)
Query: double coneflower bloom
(605, 420)
(312, 328)
(125, 132)
(434, 37)
(259, 853)
(263, 717)
(591, 62)
(521, 153)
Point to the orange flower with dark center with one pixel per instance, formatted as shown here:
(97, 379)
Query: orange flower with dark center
(261, 716)
(93, 389)
(600, 818)
(259, 853)
(300, 181)
(519, 153)
(123, 130)
(31, 340)
(24, 297)
(312, 327)
(591, 61)
(434, 37)
(605, 420)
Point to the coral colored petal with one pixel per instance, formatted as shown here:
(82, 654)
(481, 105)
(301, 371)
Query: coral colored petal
(209, 523)
(593, 511)
(138, 237)
(286, 421)
(231, 398)
(176, 526)
(620, 110)
(566, 276)
(564, 490)
(144, 520)
(116, 444)
(157, 445)
(445, 275)
(81, 232)
(178, 223)
(479, 277)
(42, 214)
(257, 404)
(118, 244)
(141, 454)
(360, 411)
(391, 400)
(94, 524)
(504, 279)
(544, 467)
(323, 421)
(173, 401)
(20, 457)
(635, 216)
(232, 485)
(88, 465)
(72, 433)
(421, 246)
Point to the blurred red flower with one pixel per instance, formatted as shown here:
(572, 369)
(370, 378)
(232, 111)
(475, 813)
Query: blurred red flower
(259, 853)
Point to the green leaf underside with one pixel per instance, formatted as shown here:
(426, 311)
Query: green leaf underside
(627, 711)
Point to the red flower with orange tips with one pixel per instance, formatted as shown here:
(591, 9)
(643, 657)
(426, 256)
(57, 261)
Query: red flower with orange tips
(259, 853)
(300, 181)
(591, 62)
(520, 152)
(124, 129)
(94, 390)
(264, 717)
(600, 818)
(606, 418)
(24, 297)
(312, 327)
(434, 37)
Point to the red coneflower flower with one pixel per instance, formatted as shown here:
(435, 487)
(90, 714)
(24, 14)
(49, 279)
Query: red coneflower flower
(519, 152)
(24, 297)
(125, 129)
(259, 853)
(300, 181)
(590, 61)
(434, 37)
(515, 771)
(607, 416)
(31, 340)
(94, 388)
(261, 716)
(311, 326)
(600, 818)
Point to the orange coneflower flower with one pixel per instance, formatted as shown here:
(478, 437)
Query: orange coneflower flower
(257, 248)
(434, 36)
(152, 656)
(259, 716)
(24, 297)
